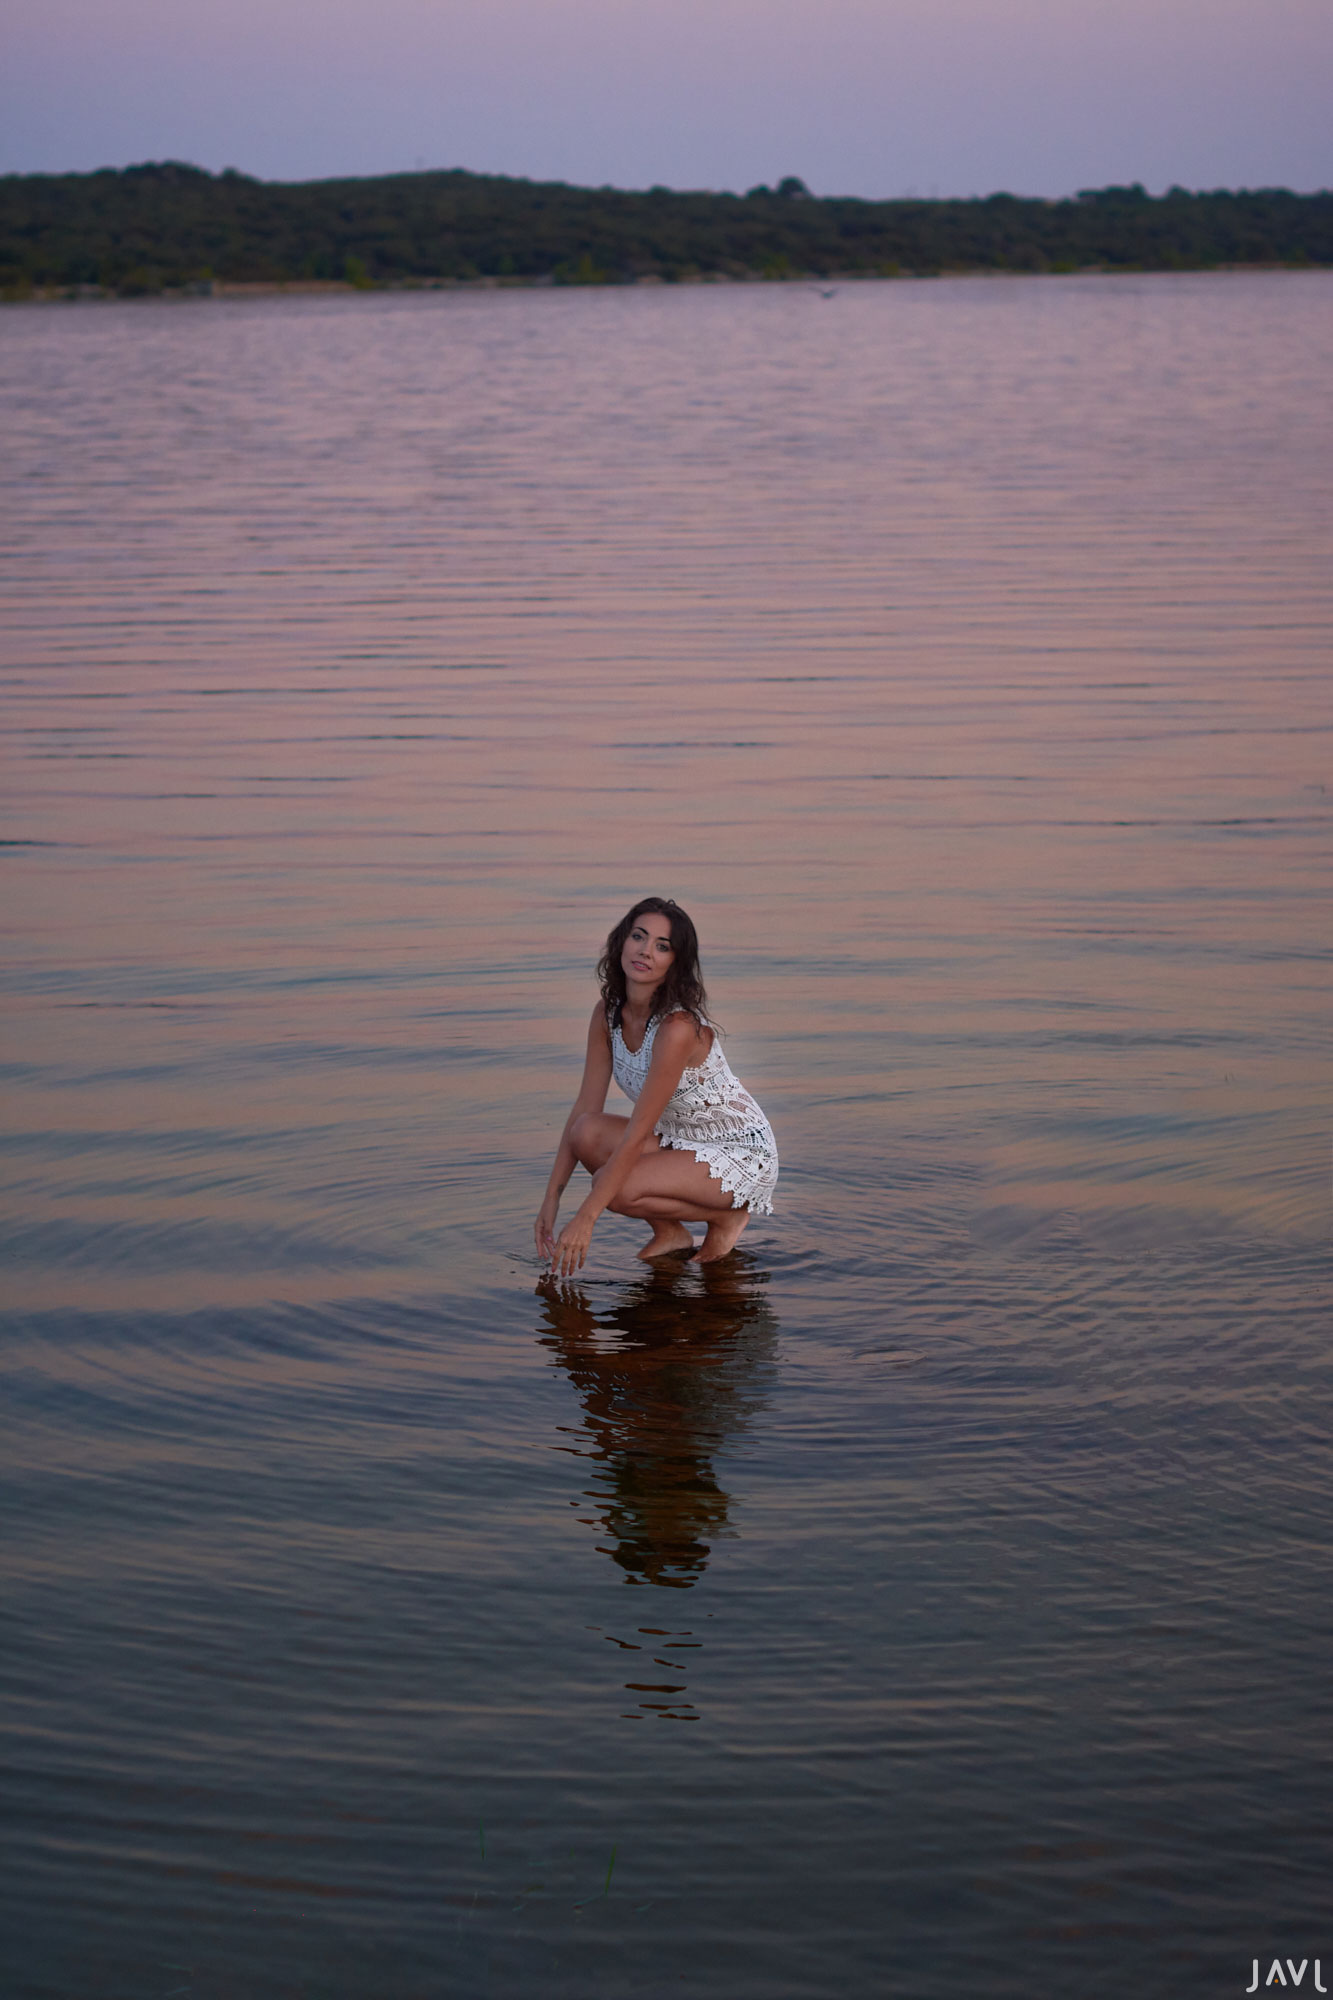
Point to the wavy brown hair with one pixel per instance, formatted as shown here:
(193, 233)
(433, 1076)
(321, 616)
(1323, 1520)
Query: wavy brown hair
(683, 985)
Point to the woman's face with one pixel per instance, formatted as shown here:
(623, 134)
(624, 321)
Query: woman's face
(647, 957)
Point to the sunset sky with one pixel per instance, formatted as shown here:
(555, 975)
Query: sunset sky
(869, 97)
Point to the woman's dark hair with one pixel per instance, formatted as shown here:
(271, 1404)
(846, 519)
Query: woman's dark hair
(683, 985)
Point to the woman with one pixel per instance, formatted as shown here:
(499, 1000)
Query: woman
(696, 1147)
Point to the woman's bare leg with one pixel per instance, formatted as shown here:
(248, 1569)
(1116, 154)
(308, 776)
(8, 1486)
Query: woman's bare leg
(667, 1187)
(724, 1224)
(595, 1138)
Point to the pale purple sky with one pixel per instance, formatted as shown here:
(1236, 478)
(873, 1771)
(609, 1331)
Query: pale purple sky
(869, 97)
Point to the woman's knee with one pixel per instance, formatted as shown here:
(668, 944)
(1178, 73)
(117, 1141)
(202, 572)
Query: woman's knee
(588, 1140)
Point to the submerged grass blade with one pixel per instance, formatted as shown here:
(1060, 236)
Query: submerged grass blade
(605, 1889)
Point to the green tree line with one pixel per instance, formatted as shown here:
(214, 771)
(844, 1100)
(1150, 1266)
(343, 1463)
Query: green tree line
(165, 225)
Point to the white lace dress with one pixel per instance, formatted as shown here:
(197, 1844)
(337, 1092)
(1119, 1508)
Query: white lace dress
(712, 1116)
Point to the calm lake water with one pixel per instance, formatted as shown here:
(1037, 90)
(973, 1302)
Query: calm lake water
(931, 1602)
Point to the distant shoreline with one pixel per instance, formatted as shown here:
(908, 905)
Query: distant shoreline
(341, 288)
(169, 228)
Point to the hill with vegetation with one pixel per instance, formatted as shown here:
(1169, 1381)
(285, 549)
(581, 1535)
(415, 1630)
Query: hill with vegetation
(167, 225)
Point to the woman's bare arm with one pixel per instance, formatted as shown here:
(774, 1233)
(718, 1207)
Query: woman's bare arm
(592, 1097)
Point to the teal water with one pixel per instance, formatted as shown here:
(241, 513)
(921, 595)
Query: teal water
(932, 1601)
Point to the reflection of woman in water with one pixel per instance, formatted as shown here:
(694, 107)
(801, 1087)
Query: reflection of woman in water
(696, 1147)
(668, 1375)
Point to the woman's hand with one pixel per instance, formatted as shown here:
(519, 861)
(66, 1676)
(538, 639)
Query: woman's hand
(569, 1252)
(543, 1229)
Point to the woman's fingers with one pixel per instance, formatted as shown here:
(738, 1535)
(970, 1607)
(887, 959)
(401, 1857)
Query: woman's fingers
(569, 1251)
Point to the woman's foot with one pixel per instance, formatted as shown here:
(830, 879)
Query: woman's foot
(667, 1239)
(722, 1234)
